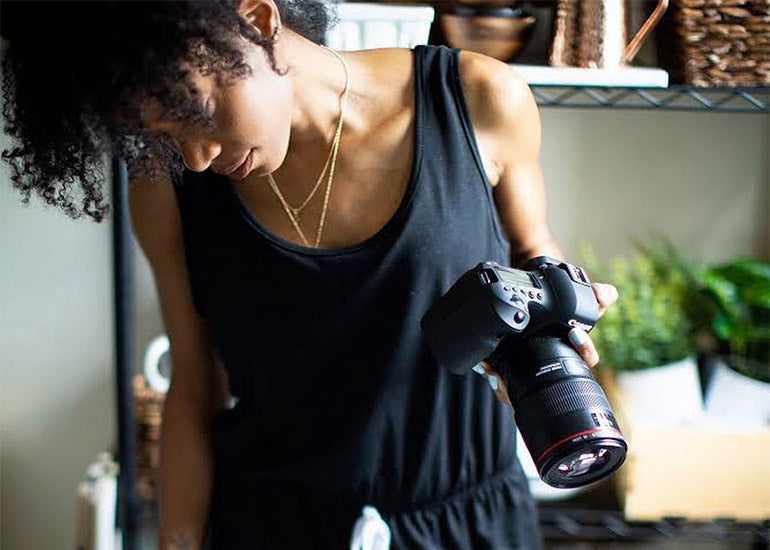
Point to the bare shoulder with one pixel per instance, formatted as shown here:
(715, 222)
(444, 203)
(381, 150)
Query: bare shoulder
(501, 105)
(492, 86)
(384, 73)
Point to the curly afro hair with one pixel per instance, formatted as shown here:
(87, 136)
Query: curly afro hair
(75, 74)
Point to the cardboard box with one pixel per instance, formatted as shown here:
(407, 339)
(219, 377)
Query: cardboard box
(698, 472)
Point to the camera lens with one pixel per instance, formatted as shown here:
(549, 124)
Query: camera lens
(585, 462)
(563, 415)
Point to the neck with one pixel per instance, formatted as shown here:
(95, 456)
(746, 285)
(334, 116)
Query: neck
(318, 81)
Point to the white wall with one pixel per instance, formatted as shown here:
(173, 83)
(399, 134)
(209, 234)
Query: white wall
(700, 178)
(56, 357)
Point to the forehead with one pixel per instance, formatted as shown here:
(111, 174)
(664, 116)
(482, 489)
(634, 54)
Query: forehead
(154, 113)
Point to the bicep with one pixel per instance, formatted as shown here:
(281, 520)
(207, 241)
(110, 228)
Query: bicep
(504, 111)
(520, 199)
(520, 195)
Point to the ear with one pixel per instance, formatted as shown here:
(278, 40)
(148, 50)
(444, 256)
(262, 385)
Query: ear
(261, 14)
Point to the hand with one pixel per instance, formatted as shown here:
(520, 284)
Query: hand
(606, 294)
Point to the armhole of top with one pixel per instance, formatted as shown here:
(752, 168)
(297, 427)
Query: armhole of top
(462, 106)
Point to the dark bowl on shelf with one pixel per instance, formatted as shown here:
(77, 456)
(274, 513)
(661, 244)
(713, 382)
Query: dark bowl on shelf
(493, 30)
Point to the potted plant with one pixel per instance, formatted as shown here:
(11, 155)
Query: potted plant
(729, 307)
(646, 338)
(737, 392)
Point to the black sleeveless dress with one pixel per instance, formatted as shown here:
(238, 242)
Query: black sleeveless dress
(339, 403)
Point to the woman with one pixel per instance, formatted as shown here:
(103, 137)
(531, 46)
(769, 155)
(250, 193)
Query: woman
(297, 295)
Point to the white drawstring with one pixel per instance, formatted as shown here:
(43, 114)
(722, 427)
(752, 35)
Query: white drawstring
(370, 531)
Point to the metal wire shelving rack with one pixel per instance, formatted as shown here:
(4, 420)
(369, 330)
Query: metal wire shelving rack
(672, 98)
(595, 518)
(609, 526)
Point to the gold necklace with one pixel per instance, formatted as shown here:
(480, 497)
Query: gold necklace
(298, 209)
(293, 213)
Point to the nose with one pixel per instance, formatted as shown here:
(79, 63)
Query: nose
(197, 154)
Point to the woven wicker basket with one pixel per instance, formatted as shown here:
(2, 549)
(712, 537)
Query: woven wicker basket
(717, 42)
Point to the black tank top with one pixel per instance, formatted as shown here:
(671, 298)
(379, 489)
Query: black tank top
(339, 401)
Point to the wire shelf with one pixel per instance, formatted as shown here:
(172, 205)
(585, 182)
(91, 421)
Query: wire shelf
(562, 524)
(673, 98)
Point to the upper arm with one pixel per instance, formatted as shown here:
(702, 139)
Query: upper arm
(197, 370)
(504, 110)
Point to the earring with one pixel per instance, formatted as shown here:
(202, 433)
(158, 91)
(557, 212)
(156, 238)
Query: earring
(274, 36)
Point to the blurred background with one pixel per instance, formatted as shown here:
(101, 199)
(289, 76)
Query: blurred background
(656, 167)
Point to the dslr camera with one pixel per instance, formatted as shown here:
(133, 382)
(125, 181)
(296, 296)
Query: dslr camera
(517, 320)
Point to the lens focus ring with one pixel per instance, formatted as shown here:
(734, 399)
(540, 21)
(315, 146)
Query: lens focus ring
(565, 396)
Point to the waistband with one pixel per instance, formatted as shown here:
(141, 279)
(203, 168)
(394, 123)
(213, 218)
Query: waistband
(468, 492)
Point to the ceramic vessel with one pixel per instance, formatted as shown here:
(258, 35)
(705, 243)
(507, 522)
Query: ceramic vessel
(497, 31)
(668, 395)
(735, 400)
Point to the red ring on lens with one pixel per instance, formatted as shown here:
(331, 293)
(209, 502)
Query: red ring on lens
(560, 442)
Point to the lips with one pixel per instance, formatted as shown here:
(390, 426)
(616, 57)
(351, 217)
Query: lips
(233, 167)
(244, 168)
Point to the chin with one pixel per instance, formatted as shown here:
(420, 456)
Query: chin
(270, 166)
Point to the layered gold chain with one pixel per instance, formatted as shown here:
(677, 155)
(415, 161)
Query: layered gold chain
(294, 213)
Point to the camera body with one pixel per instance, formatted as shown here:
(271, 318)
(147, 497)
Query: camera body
(491, 302)
(517, 320)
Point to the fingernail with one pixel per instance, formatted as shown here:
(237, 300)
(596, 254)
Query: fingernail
(603, 294)
(578, 337)
(607, 293)
(478, 368)
(493, 383)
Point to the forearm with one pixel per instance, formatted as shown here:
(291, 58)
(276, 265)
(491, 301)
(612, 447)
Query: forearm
(186, 475)
(544, 247)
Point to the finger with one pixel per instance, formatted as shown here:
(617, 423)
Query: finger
(584, 345)
(495, 382)
(483, 368)
(606, 295)
(498, 387)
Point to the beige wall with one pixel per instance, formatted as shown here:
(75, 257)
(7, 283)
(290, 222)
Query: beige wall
(56, 365)
(701, 179)
(611, 175)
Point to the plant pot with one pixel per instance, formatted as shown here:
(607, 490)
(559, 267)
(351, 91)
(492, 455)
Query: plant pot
(735, 400)
(668, 395)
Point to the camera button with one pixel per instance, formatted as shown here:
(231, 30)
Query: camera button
(519, 316)
(539, 295)
(531, 294)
